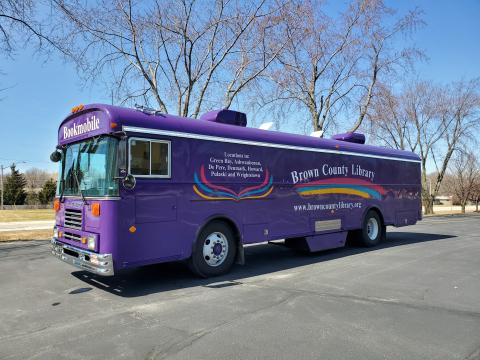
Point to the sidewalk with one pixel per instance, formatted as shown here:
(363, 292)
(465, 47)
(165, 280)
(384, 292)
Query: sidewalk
(451, 209)
(27, 225)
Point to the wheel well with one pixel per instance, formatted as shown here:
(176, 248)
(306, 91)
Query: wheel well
(240, 259)
(354, 234)
(225, 220)
(379, 213)
(384, 226)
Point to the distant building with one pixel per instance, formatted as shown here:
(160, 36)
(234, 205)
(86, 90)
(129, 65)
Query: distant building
(443, 200)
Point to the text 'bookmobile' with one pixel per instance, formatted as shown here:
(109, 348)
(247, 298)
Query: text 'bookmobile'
(137, 187)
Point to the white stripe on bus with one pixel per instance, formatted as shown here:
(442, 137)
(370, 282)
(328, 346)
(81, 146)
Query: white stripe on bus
(255, 143)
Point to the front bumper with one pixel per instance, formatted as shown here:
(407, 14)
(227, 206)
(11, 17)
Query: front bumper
(101, 264)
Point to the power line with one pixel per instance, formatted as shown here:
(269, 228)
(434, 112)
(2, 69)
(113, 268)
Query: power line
(27, 161)
(14, 160)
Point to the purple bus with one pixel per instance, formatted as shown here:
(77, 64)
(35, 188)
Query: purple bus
(138, 187)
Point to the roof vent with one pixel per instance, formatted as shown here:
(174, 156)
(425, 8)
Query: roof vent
(350, 137)
(226, 116)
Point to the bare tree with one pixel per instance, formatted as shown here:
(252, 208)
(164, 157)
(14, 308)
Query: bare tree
(333, 65)
(21, 24)
(36, 178)
(432, 121)
(410, 121)
(460, 115)
(383, 58)
(465, 173)
(175, 53)
(388, 121)
(475, 193)
(426, 131)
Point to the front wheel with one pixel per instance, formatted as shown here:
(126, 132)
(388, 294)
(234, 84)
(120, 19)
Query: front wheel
(214, 251)
(373, 229)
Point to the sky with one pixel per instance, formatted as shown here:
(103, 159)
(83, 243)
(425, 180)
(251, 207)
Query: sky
(42, 91)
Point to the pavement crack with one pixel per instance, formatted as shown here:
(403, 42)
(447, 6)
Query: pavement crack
(158, 353)
(474, 355)
(374, 300)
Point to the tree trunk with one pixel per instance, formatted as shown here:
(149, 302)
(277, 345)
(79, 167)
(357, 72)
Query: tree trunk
(427, 199)
(428, 204)
(463, 208)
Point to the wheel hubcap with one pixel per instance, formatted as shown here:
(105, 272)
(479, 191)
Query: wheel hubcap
(372, 228)
(215, 249)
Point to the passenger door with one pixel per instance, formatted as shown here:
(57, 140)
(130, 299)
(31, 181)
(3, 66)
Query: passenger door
(154, 200)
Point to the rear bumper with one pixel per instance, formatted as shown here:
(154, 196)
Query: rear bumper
(101, 264)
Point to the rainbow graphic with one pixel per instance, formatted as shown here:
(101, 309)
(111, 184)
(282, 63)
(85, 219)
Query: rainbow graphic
(348, 186)
(209, 191)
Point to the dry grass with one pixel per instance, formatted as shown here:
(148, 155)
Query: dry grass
(25, 235)
(26, 215)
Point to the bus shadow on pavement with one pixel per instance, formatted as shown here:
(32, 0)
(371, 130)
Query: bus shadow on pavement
(260, 259)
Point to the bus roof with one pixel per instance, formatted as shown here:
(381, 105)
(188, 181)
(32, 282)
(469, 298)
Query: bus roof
(133, 120)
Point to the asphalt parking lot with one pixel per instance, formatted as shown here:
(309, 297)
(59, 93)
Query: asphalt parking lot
(415, 297)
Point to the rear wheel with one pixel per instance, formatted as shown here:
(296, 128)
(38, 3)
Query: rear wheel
(373, 229)
(214, 251)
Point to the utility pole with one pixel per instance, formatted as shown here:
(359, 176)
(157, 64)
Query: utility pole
(1, 185)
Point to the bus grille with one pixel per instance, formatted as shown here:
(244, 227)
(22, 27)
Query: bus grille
(73, 219)
(71, 236)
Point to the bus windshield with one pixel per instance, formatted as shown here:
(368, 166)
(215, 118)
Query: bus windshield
(88, 168)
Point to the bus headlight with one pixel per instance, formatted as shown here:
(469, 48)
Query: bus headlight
(55, 232)
(91, 242)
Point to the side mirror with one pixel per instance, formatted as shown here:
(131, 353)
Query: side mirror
(129, 182)
(56, 156)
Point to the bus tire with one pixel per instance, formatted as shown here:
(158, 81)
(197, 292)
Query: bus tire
(214, 251)
(373, 230)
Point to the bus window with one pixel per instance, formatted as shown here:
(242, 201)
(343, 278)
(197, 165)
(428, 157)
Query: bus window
(159, 158)
(140, 157)
(150, 158)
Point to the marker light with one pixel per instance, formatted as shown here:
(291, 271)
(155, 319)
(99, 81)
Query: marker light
(56, 205)
(96, 209)
(77, 108)
(91, 242)
(113, 125)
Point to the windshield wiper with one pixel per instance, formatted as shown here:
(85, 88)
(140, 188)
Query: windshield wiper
(74, 172)
(62, 184)
(62, 180)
